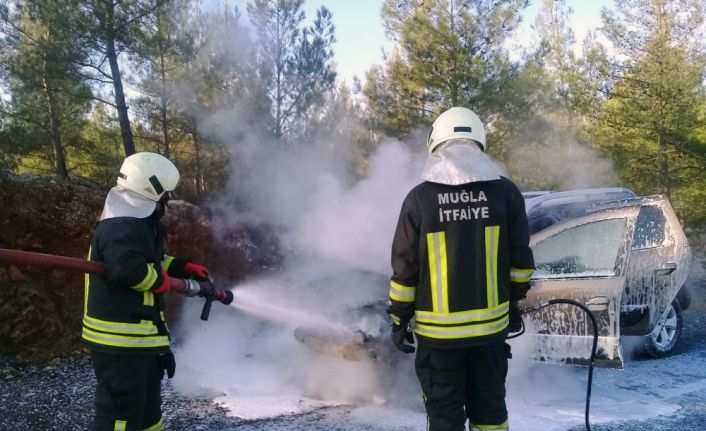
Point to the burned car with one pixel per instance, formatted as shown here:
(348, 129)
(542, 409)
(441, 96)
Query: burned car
(624, 257)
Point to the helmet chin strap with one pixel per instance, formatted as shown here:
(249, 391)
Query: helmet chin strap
(162, 205)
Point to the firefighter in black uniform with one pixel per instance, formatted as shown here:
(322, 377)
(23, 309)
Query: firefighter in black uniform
(460, 260)
(123, 321)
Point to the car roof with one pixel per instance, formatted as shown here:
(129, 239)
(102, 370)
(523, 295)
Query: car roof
(548, 208)
(543, 199)
(534, 194)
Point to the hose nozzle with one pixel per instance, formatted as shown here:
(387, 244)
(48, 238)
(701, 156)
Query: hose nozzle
(223, 296)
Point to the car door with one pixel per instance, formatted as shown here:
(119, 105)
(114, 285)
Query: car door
(582, 259)
(659, 265)
(649, 273)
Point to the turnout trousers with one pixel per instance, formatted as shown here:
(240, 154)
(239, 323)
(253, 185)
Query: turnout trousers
(128, 392)
(464, 384)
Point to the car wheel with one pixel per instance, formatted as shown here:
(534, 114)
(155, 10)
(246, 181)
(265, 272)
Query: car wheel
(667, 332)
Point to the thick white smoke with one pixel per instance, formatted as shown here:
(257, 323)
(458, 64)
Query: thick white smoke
(336, 240)
(552, 157)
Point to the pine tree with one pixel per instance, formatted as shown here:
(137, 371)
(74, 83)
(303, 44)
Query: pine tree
(552, 151)
(163, 51)
(108, 31)
(213, 82)
(447, 53)
(49, 98)
(653, 123)
(295, 62)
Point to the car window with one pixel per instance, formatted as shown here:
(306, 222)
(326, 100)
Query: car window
(649, 228)
(587, 250)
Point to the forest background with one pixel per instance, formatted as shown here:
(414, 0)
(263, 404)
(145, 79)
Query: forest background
(86, 82)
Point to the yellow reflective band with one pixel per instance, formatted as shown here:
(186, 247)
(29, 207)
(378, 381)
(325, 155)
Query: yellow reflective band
(444, 273)
(164, 320)
(86, 281)
(464, 331)
(120, 426)
(459, 317)
(123, 341)
(159, 426)
(395, 319)
(166, 262)
(499, 427)
(148, 298)
(436, 249)
(145, 327)
(520, 275)
(85, 294)
(492, 237)
(433, 275)
(400, 292)
(149, 279)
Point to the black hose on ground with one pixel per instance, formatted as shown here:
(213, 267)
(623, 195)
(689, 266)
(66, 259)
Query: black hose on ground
(594, 347)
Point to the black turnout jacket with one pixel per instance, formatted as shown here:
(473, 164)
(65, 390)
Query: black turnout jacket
(460, 254)
(121, 311)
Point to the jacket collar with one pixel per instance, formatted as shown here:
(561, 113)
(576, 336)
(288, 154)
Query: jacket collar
(459, 162)
(121, 202)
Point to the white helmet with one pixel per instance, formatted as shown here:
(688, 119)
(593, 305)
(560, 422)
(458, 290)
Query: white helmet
(456, 123)
(148, 174)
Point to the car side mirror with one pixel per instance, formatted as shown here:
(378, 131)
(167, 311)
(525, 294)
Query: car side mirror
(666, 268)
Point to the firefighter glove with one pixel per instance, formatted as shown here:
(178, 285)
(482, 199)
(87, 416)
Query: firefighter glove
(199, 272)
(165, 286)
(167, 363)
(516, 324)
(402, 333)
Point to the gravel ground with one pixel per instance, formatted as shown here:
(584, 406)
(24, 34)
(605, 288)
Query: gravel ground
(59, 396)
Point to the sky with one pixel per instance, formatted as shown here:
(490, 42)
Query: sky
(361, 37)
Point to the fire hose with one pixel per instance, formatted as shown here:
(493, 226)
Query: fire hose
(52, 261)
(594, 346)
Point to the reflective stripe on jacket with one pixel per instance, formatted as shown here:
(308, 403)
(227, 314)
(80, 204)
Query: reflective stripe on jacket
(460, 254)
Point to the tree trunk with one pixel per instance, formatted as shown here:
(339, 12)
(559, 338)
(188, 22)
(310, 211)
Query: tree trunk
(199, 186)
(453, 90)
(664, 180)
(278, 106)
(55, 129)
(163, 99)
(125, 131)
(163, 105)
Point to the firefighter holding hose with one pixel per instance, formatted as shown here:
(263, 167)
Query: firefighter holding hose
(461, 260)
(123, 322)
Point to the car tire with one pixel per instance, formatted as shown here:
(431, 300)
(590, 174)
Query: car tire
(662, 342)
